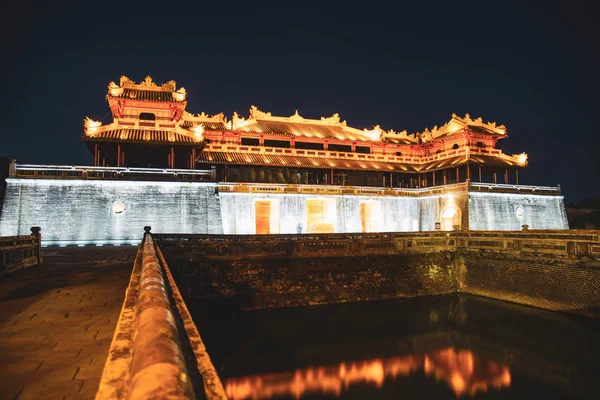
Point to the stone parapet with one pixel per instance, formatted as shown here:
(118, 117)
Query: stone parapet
(18, 252)
(557, 270)
(559, 244)
(147, 356)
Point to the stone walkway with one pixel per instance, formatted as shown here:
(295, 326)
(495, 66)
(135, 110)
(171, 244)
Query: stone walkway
(57, 321)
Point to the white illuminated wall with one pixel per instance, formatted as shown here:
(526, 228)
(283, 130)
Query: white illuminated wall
(389, 214)
(84, 210)
(507, 211)
(88, 211)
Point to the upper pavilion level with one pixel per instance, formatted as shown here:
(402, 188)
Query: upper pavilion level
(152, 128)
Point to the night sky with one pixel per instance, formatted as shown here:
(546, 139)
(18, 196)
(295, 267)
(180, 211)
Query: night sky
(531, 68)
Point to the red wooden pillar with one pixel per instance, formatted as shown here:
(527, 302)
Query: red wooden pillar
(479, 167)
(468, 171)
(495, 178)
(517, 176)
(433, 178)
(391, 180)
(331, 176)
(172, 158)
(118, 155)
(445, 177)
(96, 155)
(457, 175)
(506, 176)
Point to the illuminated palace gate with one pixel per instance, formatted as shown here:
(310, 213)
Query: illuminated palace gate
(288, 209)
(152, 128)
(101, 205)
(271, 174)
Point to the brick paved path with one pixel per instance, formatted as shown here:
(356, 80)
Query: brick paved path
(57, 320)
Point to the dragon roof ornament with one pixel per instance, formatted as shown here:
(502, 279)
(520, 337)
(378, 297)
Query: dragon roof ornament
(237, 121)
(257, 114)
(91, 126)
(333, 120)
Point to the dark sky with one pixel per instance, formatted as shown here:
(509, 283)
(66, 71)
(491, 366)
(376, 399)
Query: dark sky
(408, 66)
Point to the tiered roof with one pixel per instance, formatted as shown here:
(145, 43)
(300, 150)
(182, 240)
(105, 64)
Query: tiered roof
(395, 150)
(332, 128)
(182, 128)
(295, 125)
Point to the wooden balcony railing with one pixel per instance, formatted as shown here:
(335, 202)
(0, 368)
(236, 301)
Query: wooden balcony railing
(417, 157)
(18, 252)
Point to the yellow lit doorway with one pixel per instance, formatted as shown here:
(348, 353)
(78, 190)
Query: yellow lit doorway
(451, 216)
(263, 217)
(369, 213)
(267, 217)
(321, 215)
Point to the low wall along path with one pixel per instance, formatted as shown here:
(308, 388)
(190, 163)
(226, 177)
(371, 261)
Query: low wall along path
(557, 270)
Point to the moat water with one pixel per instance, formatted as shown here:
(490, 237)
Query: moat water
(451, 346)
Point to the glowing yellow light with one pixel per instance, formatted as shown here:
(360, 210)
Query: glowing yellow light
(179, 95)
(374, 134)
(118, 207)
(198, 132)
(114, 89)
(91, 126)
(522, 158)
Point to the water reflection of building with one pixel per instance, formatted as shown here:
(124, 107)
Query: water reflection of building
(464, 372)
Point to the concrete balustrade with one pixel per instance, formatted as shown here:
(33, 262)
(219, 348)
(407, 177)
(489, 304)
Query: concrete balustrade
(147, 357)
(558, 243)
(158, 364)
(18, 252)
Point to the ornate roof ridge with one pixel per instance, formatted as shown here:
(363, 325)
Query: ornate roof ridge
(257, 114)
(147, 84)
(457, 123)
(374, 134)
(203, 117)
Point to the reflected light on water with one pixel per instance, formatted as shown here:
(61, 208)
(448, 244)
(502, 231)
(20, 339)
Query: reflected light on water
(464, 372)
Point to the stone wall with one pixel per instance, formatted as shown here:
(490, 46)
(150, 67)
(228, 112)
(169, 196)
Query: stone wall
(509, 211)
(544, 282)
(80, 211)
(281, 282)
(4, 161)
(558, 270)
